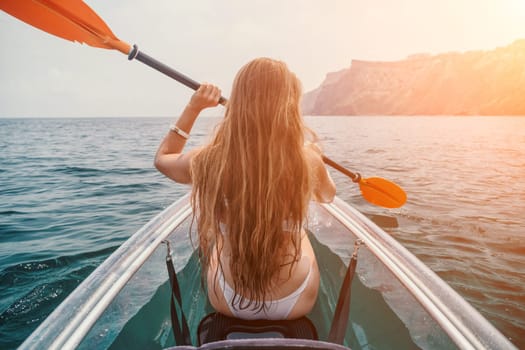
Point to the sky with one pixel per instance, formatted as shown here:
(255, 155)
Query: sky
(45, 76)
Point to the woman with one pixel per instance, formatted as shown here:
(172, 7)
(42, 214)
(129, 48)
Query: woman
(251, 188)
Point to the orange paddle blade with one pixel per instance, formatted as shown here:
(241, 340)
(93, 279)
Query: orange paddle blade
(68, 19)
(376, 190)
(382, 192)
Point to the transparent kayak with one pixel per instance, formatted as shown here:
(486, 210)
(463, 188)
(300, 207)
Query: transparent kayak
(397, 302)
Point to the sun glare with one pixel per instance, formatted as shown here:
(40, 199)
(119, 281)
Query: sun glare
(518, 5)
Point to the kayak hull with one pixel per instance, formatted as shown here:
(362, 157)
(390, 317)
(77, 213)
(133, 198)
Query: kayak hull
(397, 301)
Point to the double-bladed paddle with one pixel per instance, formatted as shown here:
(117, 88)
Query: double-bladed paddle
(75, 21)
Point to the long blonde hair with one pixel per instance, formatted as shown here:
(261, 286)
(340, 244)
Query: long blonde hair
(253, 177)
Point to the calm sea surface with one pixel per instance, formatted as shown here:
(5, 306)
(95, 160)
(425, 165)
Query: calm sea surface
(72, 190)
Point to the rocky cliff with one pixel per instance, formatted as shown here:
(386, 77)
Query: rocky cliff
(470, 83)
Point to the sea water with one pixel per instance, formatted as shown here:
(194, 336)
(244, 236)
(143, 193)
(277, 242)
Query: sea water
(72, 190)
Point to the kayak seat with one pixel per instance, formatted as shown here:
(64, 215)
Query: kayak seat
(216, 326)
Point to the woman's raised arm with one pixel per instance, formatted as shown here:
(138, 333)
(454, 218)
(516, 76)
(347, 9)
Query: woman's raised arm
(169, 159)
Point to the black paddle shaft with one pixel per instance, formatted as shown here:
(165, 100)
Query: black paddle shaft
(355, 177)
(170, 72)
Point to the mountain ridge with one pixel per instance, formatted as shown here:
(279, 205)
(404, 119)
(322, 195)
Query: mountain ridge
(490, 82)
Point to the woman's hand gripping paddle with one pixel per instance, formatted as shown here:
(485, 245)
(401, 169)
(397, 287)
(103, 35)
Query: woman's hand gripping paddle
(75, 21)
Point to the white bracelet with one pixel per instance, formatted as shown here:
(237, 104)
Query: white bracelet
(179, 131)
